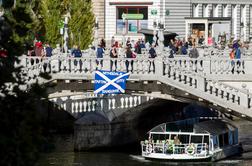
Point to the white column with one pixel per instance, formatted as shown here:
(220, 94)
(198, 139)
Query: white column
(206, 33)
(186, 31)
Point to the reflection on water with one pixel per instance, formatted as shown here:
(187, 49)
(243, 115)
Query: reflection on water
(122, 159)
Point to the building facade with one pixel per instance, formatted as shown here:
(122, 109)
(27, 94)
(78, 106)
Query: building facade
(196, 18)
(99, 12)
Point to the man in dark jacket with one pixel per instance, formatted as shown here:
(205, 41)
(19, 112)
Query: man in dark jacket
(99, 55)
(76, 53)
(152, 55)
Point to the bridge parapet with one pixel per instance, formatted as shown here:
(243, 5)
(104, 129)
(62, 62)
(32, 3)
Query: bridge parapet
(111, 106)
(199, 77)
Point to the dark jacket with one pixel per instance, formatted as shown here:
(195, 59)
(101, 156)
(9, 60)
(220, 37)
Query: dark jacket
(48, 51)
(99, 53)
(152, 53)
(77, 53)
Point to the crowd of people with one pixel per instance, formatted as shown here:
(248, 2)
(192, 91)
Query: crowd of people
(131, 49)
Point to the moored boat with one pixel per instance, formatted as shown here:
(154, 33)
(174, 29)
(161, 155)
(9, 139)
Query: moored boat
(194, 139)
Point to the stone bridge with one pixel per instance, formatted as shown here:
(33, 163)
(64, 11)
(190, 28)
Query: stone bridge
(212, 79)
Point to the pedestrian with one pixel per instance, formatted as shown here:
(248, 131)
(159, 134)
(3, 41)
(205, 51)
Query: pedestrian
(113, 58)
(103, 44)
(99, 56)
(76, 53)
(152, 55)
(48, 53)
(38, 48)
(129, 55)
(48, 50)
(194, 53)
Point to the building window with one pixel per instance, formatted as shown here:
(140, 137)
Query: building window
(215, 10)
(131, 25)
(225, 11)
(205, 10)
(195, 10)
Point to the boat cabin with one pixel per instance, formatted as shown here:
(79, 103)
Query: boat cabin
(190, 138)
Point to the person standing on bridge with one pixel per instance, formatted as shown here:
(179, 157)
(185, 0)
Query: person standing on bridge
(128, 62)
(113, 56)
(99, 56)
(76, 53)
(152, 55)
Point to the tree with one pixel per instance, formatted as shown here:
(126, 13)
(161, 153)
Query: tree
(51, 16)
(81, 21)
(20, 127)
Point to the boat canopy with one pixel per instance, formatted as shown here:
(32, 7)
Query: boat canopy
(195, 125)
(177, 126)
(214, 127)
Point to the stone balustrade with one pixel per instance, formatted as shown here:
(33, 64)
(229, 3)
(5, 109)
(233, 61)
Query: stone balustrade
(199, 77)
(109, 105)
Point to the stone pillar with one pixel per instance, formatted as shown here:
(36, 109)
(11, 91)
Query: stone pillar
(186, 31)
(206, 33)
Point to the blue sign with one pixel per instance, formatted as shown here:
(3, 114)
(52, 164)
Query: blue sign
(109, 82)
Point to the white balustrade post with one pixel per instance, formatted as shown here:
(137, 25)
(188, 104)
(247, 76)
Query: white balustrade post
(201, 83)
(244, 96)
(206, 65)
(106, 62)
(159, 65)
(247, 66)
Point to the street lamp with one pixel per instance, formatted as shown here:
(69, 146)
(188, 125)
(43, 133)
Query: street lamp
(65, 47)
(161, 34)
(96, 32)
(124, 30)
(154, 32)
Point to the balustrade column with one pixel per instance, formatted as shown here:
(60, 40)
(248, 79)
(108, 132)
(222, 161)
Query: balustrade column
(247, 66)
(159, 65)
(244, 97)
(201, 83)
(206, 65)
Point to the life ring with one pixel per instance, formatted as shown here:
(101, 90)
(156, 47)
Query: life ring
(149, 148)
(190, 149)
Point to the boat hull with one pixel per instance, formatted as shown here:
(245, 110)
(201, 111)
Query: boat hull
(215, 156)
(171, 157)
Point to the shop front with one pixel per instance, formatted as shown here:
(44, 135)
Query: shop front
(126, 18)
(208, 30)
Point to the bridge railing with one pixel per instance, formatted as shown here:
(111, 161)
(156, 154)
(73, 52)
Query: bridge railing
(63, 63)
(219, 93)
(110, 106)
(184, 73)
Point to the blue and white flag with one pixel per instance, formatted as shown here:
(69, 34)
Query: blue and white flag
(109, 82)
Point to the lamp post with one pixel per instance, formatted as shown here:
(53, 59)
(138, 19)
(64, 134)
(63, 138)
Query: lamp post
(124, 30)
(65, 47)
(161, 35)
(154, 32)
(96, 32)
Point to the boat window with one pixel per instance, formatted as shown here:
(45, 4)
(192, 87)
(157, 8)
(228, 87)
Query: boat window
(206, 139)
(184, 139)
(173, 135)
(196, 139)
(221, 141)
(226, 139)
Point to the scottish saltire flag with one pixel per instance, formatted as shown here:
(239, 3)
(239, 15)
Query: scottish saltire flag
(109, 82)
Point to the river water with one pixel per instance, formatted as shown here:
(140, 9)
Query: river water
(126, 159)
(70, 158)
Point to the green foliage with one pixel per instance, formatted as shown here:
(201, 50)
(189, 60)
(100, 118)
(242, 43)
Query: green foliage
(81, 21)
(23, 22)
(20, 127)
(50, 11)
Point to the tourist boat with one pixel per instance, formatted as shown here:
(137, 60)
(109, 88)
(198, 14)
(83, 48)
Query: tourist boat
(197, 139)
